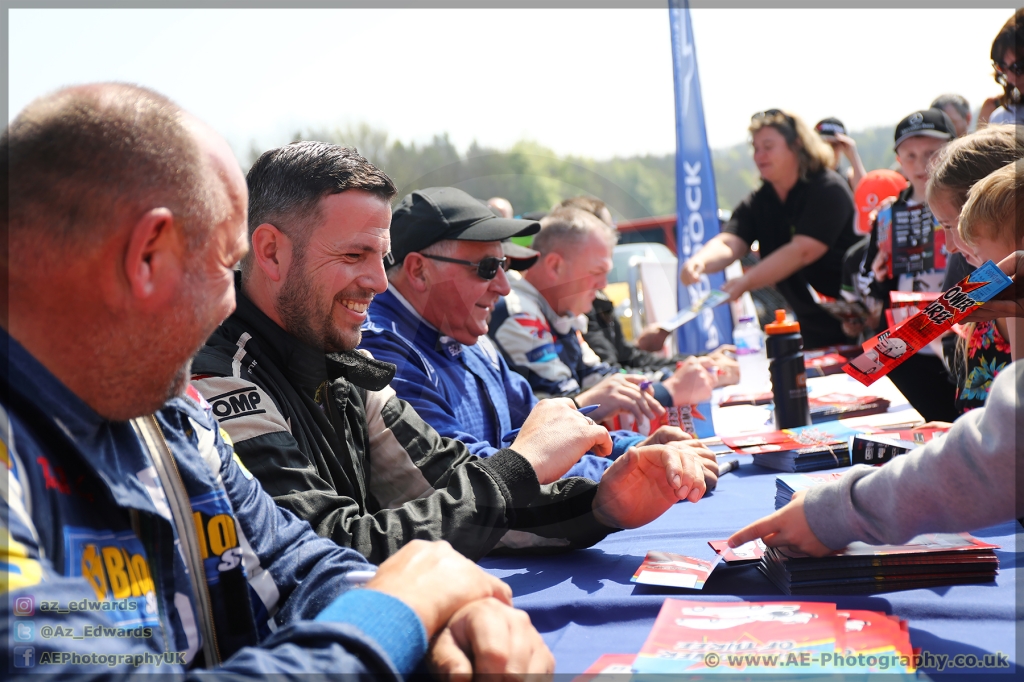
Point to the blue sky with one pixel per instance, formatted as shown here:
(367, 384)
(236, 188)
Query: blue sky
(595, 82)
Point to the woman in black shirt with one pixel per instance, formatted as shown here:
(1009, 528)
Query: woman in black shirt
(802, 217)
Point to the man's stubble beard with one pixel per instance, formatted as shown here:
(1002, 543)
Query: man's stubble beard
(306, 317)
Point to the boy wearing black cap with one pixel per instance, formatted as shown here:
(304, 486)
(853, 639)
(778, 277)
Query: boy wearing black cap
(906, 253)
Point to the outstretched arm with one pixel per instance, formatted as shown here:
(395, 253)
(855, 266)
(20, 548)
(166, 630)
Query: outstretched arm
(961, 482)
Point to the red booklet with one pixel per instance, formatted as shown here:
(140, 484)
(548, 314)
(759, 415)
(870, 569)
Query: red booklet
(869, 632)
(824, 365)
(814, 437)
(737, 637)
(893, 347)
(845, 406)
(674, 570)
(919, 436)
(744, 554)
(747, 399)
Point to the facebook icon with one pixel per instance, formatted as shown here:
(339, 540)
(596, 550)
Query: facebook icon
(24, 657)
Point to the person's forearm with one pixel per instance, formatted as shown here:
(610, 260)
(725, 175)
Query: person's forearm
(964, 481)
(717, 253)
(778, 266)
(859, 171)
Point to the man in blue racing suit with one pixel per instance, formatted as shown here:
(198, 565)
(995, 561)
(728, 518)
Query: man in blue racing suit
(126, 216)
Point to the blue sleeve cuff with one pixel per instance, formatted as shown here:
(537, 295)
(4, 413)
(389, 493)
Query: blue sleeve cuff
(662, 395)
(385, 619)
(589, 466)
(622, 441)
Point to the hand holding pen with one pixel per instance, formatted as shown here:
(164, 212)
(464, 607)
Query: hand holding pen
(555, 436)
(511, 435)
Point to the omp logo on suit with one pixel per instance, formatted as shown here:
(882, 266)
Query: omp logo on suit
(235, 404)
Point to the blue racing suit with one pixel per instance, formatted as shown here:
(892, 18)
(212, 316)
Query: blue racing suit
(97, 587)
(465, 392)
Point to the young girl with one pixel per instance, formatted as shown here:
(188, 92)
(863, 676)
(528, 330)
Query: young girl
(957, 168)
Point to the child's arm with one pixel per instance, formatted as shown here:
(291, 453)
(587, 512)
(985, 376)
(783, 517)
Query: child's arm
(960, 482)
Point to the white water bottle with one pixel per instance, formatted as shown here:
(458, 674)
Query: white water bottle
(750, 354)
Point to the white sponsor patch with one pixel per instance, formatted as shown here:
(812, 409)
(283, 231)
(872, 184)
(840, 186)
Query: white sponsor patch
(243, 409)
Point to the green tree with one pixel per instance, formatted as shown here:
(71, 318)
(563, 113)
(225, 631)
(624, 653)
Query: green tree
(534, 178)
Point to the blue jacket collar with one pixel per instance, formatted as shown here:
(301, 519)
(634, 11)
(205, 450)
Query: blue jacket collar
(110, 448)
(390, 309)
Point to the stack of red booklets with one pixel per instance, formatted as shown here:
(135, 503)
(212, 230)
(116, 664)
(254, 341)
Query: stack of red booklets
(828, 445)
(701, 637)
(930, 560)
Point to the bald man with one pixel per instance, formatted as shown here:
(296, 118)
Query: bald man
(126, 217)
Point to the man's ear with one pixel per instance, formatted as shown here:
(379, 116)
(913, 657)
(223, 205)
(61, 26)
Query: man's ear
(155, 253)
(554, 263)
(272, 251)
(414, 268)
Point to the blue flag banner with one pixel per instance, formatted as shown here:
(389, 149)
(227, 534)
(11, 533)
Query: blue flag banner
(696, 198)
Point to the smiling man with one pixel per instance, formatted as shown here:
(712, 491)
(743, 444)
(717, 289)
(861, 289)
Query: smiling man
(317, 422)
(447, 271)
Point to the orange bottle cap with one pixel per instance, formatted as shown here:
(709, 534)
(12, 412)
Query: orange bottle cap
(781, 325)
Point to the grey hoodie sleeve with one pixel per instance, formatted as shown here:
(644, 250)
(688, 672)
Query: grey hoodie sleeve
(964, 481)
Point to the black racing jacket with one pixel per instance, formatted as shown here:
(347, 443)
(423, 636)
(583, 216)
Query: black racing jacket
(329, 440)
(604, 336)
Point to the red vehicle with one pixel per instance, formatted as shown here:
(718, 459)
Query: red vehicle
(660, 229)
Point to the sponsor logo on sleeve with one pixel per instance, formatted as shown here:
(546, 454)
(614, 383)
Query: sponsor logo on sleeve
(238, 403)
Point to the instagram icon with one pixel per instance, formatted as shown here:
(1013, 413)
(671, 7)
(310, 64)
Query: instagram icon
(24, 606)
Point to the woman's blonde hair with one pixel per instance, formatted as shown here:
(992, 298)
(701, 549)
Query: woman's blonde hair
(991, 210)
(813, 152)
(966, 160)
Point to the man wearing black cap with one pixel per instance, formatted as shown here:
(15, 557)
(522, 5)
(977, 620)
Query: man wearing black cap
(317, 423)
(432, 323)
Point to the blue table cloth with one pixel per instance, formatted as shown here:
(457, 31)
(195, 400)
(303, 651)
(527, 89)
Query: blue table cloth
(584, 604)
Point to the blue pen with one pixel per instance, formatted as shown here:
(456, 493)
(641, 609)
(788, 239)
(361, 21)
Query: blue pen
(511, 435)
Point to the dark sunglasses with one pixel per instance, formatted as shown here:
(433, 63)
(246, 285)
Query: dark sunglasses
(487, 268)
(773, 113)
(1016, 68)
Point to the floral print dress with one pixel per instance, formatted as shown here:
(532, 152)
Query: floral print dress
(987, 353)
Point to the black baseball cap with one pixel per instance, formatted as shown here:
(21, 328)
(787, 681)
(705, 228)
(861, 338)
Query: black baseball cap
(926, 123)
(830, 127)
(430, 215)
(519, 257)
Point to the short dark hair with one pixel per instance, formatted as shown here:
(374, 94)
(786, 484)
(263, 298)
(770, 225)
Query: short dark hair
(76, 158)
(286, 185)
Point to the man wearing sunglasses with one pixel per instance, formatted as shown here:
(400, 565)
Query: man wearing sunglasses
(432, 322)
(317, 422)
